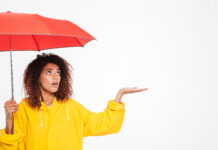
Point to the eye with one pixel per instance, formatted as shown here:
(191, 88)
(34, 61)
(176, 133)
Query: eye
(48, 72)
(58, 72)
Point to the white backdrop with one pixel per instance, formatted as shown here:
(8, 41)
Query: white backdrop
(169, 46)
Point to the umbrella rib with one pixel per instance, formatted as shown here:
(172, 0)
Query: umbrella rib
(55, 35)
(43, 23)
(34, 39)
(79, 42)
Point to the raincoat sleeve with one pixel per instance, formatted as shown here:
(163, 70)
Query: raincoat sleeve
(107, 122)
(13, 141)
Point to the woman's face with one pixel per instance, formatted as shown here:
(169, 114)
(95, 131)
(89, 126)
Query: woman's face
(49, 79)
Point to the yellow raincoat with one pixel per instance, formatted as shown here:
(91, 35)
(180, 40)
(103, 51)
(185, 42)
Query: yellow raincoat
(60, 126)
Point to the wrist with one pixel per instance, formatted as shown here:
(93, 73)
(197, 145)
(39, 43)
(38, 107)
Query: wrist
(120, 92)
(9, 117)
(118, 97)
(9, 120)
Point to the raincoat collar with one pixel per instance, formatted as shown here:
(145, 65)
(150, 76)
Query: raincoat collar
(54, 103)
(51, 108)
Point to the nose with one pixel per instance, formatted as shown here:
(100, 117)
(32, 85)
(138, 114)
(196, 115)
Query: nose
(55, 76)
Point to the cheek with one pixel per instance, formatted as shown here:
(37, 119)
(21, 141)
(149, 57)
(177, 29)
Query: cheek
(44, 80)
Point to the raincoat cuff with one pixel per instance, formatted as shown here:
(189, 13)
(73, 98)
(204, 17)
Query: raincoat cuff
(115, 106)
(2, 132)
(9, 138)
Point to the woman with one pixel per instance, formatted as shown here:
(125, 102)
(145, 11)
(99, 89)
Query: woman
(48, 119)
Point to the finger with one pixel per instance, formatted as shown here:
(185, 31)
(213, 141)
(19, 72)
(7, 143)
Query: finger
(11, 111)
(11, 106)
(140, 90)
(10, 102)
(14, 107)
(137, 90)
(13, 102)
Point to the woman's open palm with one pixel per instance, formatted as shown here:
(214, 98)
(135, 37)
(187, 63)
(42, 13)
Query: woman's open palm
(132, 90)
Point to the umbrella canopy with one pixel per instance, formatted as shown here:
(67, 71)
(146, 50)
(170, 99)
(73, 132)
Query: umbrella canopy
(21, 31)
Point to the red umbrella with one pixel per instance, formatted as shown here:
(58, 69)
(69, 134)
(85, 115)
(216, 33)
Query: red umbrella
(21, 32)
(24, 32)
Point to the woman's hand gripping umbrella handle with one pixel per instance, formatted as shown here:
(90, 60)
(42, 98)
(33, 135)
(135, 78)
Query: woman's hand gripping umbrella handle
(10, 107)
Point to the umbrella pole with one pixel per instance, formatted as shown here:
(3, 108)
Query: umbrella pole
(12, 84)
(12, 80)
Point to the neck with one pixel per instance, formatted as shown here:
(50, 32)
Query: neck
(48, 97)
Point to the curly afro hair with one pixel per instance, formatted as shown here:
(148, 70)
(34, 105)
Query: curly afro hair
(32, 74)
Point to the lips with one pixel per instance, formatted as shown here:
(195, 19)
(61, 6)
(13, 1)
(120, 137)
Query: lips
(55, 83)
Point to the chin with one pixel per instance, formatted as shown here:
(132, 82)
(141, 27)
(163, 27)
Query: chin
(53, 91)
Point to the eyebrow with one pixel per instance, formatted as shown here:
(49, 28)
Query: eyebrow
(53, 69)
